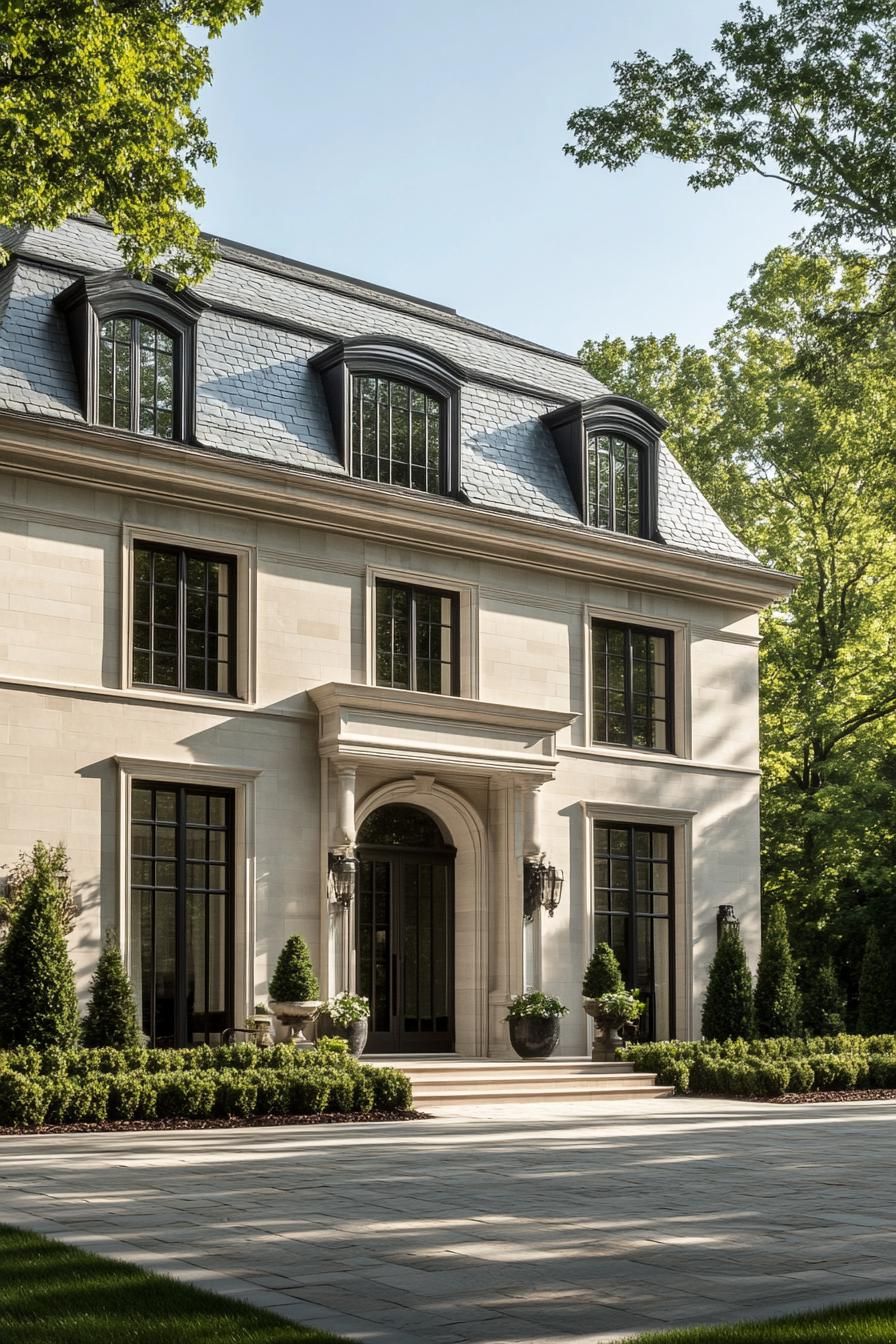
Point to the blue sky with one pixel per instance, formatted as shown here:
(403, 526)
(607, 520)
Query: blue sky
(420, 146)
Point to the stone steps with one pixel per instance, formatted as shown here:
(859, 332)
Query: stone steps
(446, 1080)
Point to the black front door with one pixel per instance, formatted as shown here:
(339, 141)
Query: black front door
(405, 942)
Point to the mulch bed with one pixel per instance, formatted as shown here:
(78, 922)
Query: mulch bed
(857, 1094)
(256, 1122)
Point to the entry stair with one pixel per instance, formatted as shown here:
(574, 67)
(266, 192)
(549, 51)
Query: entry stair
(450, 1080)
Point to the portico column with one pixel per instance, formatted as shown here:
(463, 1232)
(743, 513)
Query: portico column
(345, 809)
(342, 918)
(505, 932)
(532, 849)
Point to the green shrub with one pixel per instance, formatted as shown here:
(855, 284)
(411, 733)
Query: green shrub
(728, 1007)
(835, 1073)
(802, 1075)
(603, 974)
(149, 1096)
(882, 1071)
(112, 1013)
(242, 1056)
(823, 1000)
(23, 1099)
(125, 1095)
(24, 1059)
(364, 1091)
(776, 1003)
(236, 1093)
(293, 979)
(166, 1061)
(342, 1094)
(59, 1094)
(273, 1092)
(309, 1094)
(391, 1090)
(89, 1100)
(675, 1073)
(189, 1095)
(877, 1012)
(38, 1004)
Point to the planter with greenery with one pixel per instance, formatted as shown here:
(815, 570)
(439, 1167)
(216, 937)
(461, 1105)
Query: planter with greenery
(534, 1023)
(293, 989)
(259, 1021)
(612, 1011)
(603, 975)
(346, 1017)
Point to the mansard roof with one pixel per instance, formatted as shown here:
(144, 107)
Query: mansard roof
(257, 395)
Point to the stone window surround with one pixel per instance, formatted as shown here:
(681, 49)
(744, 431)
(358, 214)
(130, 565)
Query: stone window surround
(680, 822)
(681, 683)
(246, 603)
(242, 783)
(468, 621)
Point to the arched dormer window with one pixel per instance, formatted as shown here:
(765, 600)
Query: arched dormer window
(609, 449)
(395, 408)
(134, 345)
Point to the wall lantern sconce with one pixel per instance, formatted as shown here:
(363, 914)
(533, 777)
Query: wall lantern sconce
(542, 885)
(342, 877)
(726, 919)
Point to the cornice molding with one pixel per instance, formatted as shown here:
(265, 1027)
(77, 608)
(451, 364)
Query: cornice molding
(339, 695)
(201, 477)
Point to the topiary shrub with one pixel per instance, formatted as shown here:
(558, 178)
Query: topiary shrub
(23, 1099)
(882, 1071)
(364, 1096)
(125, 1095)
(38, 1005)
(728, 1006)
(776, 1003)
(342, 1094)
(823, 1000)
(834, 1073)
(876, 1000)
(391, 1090)
(112, 1013)
(802, 1075)
(53, 863)
(603, 974)
(294, 980)
(236, 1093)
(309, 1094)
(89, 1100)
(189, 1095)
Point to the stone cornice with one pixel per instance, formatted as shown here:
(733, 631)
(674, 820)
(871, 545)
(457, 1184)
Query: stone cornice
(180, 474)
(344, 695)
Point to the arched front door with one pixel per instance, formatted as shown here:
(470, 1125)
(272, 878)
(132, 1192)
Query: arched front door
(405, 931)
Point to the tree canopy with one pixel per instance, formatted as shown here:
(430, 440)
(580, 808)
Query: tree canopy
(98, 112)
(802, 93)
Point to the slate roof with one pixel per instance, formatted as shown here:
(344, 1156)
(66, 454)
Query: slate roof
(257, 397)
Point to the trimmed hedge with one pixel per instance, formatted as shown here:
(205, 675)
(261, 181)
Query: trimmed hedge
(771, 1067)
(81, 1085)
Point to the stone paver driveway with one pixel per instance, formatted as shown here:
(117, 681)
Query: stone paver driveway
(579, 1223)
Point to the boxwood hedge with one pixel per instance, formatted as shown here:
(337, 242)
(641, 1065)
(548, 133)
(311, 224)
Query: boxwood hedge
(80, 1085)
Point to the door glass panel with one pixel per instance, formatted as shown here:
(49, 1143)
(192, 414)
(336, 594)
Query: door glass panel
(410, 949)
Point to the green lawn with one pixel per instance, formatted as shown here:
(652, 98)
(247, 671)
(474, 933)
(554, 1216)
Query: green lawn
(861, 1322)
(53, 1294)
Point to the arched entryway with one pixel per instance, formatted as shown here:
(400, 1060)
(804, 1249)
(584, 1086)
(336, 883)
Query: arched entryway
(405, 930)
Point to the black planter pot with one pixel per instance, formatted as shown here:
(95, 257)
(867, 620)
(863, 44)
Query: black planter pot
(355, 1033)
(534, 1037)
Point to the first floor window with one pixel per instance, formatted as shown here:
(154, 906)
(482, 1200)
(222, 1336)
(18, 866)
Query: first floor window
(184, 615)
(416, 638)
(633, 913)
(136, 377)
(396, 434)
(631, 670)
(182, 911)
(614, 484)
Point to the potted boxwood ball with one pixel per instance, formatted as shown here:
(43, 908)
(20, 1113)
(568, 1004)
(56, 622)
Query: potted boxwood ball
(348, 1016)
(534, 1022)
(603, 975)
(293, 989)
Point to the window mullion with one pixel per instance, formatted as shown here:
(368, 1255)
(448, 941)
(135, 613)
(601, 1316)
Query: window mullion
(181, 620)
(180, 918)
(135, 375)
(629, 691)
(412, 639)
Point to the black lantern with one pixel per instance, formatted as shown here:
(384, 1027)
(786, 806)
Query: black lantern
(343, 877)
(542, 885)
(726, 919)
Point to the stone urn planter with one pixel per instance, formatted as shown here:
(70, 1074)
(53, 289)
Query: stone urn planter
(605, 1038)
(347, 1017)
(354, 1034)
(260, 1023)
(297, 1015)
(533, 1021)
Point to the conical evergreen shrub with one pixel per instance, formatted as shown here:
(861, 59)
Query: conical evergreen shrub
(38, 1004)
(112, 1014)
(602, 974)
(728, 1006)
(776, 1004)
(823, 1001)
(876, 1009)
(294, 979)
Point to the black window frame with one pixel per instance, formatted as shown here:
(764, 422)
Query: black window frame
(355, 380)
(182, 791)
(651, 632)
(184, 554)
(592, 499)
(412, 589)
(135, 322)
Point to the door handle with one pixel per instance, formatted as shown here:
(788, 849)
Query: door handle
(394, 984)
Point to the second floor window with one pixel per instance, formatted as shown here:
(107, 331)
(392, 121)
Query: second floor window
(614, 484)
(136, 377)
(184, 610)
(632, 686)
(416, 638)
(396, 434)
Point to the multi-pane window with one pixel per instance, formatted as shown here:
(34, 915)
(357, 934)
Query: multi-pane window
(396, 434)
(136, 377)
(184, 634)
(614, 484)
(631, 671)
(182, 911)
(416, 638)
(633, 913)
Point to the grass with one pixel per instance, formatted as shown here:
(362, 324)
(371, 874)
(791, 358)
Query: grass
(54, 1294)
(857, 1323)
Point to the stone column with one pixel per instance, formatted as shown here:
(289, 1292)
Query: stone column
(341, 918)
(532, 849)
(505, 959)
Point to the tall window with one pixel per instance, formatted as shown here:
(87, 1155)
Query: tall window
(416, 638)
(614, 484)
(633, 913)
(182, 911)
(396, 434)
(631, 670)
(136, 377)
(184, 626)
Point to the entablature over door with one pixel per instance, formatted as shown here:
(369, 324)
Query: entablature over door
(368, 724)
